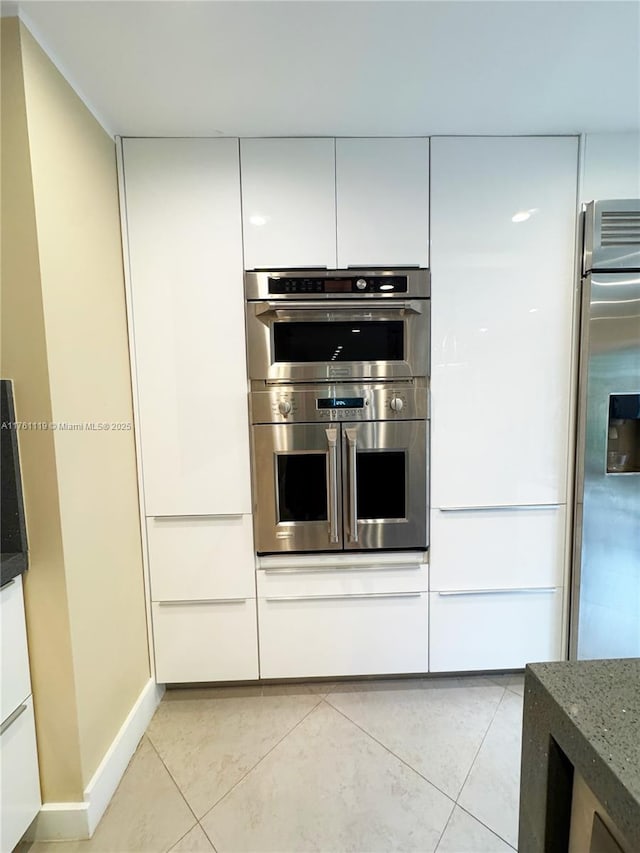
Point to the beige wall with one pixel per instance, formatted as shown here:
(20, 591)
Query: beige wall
(65, 343)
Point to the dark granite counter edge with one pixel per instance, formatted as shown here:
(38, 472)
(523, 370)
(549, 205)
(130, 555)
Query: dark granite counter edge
(553, 721)
(12, 565)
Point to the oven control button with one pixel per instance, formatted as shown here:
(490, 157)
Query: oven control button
(396, 404)
(361, 284)
(284, 407)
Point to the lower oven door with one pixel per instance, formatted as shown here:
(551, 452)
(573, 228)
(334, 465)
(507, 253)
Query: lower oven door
(385, 484)
(297, 487)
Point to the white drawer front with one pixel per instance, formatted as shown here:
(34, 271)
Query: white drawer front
(473, 631)
(205, 641)
(343, 635)
(352, 580)
(497, 548)
(16, 684)
(19, 782)
(201, 557)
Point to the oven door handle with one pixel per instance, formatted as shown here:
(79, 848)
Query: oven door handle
(332, 485)
(352, 438)
(413, 306)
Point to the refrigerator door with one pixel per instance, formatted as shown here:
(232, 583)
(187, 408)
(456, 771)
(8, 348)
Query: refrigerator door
(606, 584)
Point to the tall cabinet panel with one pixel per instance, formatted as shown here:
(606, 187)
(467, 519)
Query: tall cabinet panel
(288, 203)
(382, 199)
(503, 217)
(186, 298)
(185, 249)
(503, 232)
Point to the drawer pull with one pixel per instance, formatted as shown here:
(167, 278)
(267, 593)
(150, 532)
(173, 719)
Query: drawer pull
(12, 718)
(195, 517)
(8, 583)
(173, 602)
(310, 570)
(344, 596)
(518, 590)
(498, 508)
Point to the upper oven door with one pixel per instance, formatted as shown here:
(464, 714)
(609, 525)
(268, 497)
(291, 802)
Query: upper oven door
(305, 341)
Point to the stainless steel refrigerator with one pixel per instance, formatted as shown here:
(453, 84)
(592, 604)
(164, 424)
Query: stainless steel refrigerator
(605, 620)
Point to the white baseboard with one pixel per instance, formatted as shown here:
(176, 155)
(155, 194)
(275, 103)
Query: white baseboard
(58, 821)
(68, 821)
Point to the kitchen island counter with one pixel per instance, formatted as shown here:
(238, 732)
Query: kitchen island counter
(580, 717)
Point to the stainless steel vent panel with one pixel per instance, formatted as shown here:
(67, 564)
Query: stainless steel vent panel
(611, 235)
(619, 229)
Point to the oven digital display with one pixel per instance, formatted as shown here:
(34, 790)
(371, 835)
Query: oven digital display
(340, 403)
(338, 285)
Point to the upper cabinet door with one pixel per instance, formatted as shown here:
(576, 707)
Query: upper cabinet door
(185, 251)
(382, 192)
(503, 218)
(288, 203)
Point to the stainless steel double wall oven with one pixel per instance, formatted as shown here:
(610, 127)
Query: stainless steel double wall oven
(339, 366)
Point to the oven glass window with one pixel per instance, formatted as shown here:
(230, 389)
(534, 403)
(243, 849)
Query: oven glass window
(381, 480)
(302, 487)
(379, 340)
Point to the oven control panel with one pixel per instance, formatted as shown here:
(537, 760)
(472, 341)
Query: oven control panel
(348, 284)
(326, 403)
(324, 284)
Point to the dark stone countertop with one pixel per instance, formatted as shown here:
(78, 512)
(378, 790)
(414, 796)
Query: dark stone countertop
(12, 565)
(591, 709)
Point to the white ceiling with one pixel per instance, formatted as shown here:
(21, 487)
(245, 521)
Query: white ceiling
(348, 68)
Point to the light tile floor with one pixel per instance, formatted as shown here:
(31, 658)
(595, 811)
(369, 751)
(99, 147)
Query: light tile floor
(417, 764)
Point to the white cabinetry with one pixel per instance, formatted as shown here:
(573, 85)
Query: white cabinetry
(205, 640)
(382, 198)
(335, 203)
(347, 621)
(509, 548)
(288, 203)
(209, 557)
(502, 303)
(183, 222)
(185, 256)
(494, 630)
(503, 215)
(19, 781)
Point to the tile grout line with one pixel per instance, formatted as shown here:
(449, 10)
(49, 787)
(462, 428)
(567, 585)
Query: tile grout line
(484, 737)
(466, 811)
(435, 849)
(260, 760)
(391, 752)
(206, 835)
(475, 817)
(178, 788)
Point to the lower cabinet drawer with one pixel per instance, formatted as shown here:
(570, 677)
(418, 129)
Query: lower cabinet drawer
(507, 548)
(16, 685)
(19, 785)
(203, 557)
(205, 640)
(333, 635)
(494, 630)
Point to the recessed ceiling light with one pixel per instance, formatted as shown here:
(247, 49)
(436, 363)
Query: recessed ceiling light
(257, 219)
(520, 216)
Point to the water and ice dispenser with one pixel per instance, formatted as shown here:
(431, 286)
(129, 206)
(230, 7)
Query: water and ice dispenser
(623, 442)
